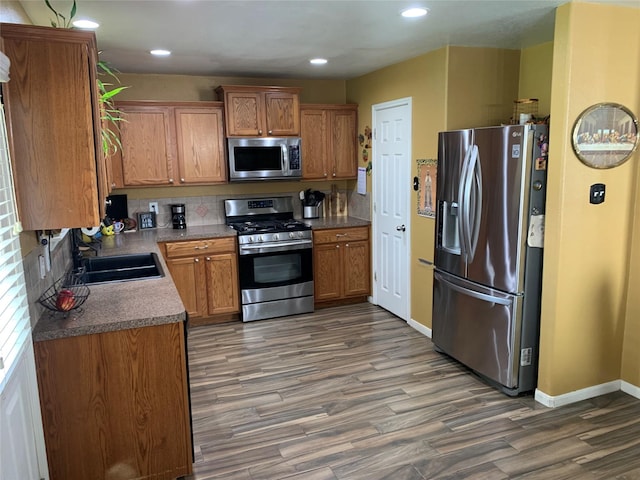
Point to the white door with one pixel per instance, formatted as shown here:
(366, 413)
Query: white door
(391, 199)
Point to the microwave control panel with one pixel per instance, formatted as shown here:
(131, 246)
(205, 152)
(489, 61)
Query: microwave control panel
(294, 157)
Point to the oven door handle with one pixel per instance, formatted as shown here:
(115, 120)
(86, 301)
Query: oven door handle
(298, 245)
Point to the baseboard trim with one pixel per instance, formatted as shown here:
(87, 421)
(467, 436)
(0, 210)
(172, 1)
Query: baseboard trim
(577, 395)
(426, 331)
(629, 388)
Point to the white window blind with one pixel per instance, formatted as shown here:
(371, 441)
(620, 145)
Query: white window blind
(15, 326)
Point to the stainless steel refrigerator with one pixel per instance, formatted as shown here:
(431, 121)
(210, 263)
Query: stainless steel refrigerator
(491, 185)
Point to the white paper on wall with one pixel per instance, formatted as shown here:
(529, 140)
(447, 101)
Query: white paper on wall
(362, 180)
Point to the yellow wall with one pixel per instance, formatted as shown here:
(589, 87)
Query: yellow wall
(423, 79)
(535, 75)
(482, 85)
(12, 12)
(595, 59)
(630, 347)
(442, 98)
(201, 88)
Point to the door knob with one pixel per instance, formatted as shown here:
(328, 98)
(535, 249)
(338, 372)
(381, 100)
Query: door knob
(401, 228)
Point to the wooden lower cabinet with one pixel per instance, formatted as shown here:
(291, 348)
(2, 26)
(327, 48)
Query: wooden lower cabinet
(206, 275)
(341, 264)
(116, 405)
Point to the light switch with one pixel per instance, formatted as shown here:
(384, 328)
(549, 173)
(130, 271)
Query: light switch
(596, 193)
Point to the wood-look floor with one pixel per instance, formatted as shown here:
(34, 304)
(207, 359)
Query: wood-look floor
(355, 393)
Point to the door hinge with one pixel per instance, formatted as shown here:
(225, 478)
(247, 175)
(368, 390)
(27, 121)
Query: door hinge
(375, 135)
(374, 206)
(375, 276)
(1, 363)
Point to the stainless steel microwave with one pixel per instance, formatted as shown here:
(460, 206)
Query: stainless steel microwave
(269, 158)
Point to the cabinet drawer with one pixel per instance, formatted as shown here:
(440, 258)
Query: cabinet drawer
(340, 235)
(197, 247)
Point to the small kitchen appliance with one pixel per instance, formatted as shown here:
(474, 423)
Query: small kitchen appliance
(178, 216)
(275, 261)
(488, 251)
(268, 158)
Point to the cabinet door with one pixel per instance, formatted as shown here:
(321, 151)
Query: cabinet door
(200, 142)
(50, 104)
(357, 269)
(121, 412)
(313, 130)
(188, 276)
(148, 144)
(244, 114)
(222, 283)
(327, 271)
(343, 134)
(282, 114)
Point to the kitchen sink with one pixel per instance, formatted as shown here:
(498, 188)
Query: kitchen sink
(121, 268)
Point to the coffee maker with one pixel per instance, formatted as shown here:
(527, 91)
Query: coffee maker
(178, 217)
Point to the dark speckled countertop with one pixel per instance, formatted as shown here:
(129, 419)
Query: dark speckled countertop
(140, 303)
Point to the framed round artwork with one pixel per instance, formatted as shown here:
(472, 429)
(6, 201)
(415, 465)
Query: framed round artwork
(605, 135)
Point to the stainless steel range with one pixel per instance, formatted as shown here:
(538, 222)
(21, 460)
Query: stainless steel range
(275, 262)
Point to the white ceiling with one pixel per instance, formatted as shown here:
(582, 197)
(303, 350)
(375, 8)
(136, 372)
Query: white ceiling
(276, 38)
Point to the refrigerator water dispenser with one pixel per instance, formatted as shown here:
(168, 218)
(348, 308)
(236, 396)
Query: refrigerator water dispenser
(450, 232)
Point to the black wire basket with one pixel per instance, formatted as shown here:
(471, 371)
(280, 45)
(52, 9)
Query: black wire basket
(66, 294)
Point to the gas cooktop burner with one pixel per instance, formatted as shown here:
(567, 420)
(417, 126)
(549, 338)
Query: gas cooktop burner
(269, 226)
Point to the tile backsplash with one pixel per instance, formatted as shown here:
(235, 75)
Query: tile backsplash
(209, 210)
(60, 264)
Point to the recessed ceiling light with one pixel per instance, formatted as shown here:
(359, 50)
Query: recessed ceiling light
(318, 61)
(414, 12)
(160, 53)
(86, 24)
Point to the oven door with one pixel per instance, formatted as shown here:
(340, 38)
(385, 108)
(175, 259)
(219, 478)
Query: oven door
(269, 269)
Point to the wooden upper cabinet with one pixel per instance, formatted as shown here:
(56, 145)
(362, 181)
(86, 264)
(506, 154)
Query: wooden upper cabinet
(261, 111)
(172, 143)
(200, 143)
(148, 145)
(329, 135)
(53, 126)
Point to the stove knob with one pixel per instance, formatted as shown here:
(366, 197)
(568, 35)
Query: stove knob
(292, 235)
(261, 238)
(300, 234)
(275, 236)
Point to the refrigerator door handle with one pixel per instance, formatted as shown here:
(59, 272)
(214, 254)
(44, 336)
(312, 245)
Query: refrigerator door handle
(475, 171)
(462, 206)
(473, 294)
(468, 176)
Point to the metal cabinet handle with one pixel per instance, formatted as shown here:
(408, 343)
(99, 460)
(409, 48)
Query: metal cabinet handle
(107, 202)
(208, 259)
(206, 245)
(401, 228)
(259, 132)
(171, 180)
(197, 260)
(342, 234)
(270, 132)
(182, 180)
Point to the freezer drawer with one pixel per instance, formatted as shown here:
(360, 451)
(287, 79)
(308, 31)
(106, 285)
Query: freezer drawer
(478, 326)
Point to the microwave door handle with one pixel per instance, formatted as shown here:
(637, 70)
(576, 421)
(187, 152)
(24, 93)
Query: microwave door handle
(285, 160)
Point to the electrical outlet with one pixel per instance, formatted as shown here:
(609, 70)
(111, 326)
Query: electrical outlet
(153, 207)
